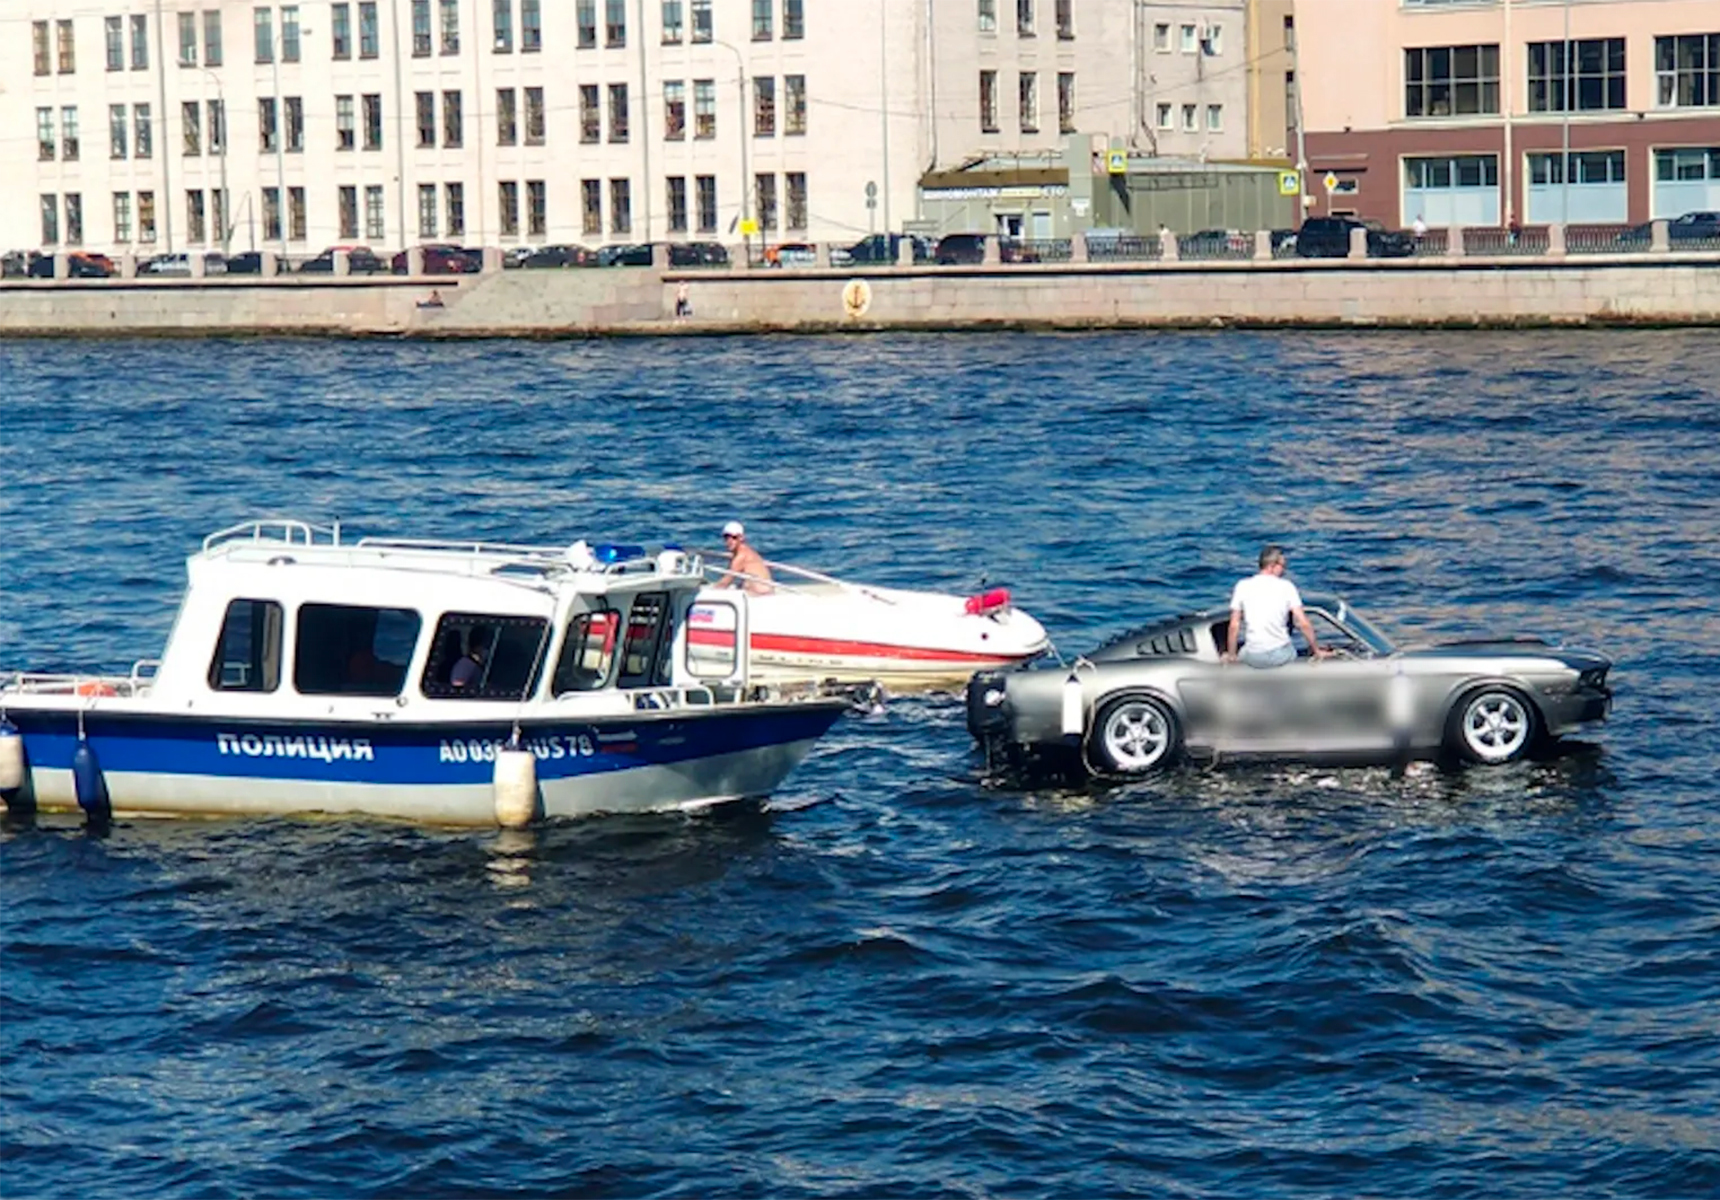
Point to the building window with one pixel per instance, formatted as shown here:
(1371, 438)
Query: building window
(675, 111)
(537, 208)
(1028, 89)
(122, 216)
(764, 200)
(764, 106)
(1576, 76)
(212, 56)
(296, 214)
(119, 131)
(615, 23)
(216, 111)
(1444, 81)
(453, 120)
(1687, 70)
(590, 116)
(587, 16)
(369, 41)
(456, 194)
(196, 227)
(508, 201)
(187, 39)
(1687, 164)
(793, 20)
(191, 127)
(1024, 18)
(534, 116)
(507, 122)
(74, 219)
(591, 206)
(420, 28)
(373, 121)
(146, 216)
(502, 12)
(1212, 40)
(761, 20)
(1066, 20)
(1066, 102)
(295, 124)
(69, 145)
(618, 112)
(450, 26)
(531, 27)
(988, 101)
(1588, 166)
(706, 186)
(704, 108)
(348, 205)
(988, 16)
(114, 29)
(50, 220)
(263, 35)
(1188, 39)
(218, 218)
(1463, 171)
(344, 131)
(1215, 118)
(271, 214)
(620, 206)
(1163, 118)
(340, 30)
(1189, 123)
(68, 49)
(139, 43)
(794, 182)
(39, 42)
(1162, 37)
(424, 104)
(1290, 33)
(290, 33)
(701, 20)
(45, 135)
(794, 105)
(142, 127)
(671, 22)
(677, 192)
(426, 210)
(375, 227)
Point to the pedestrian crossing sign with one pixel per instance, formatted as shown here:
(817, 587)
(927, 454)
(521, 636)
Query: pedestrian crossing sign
(1117, 162)
(1289, 183)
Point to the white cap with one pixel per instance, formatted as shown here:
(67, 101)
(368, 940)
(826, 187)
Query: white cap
(735, 528)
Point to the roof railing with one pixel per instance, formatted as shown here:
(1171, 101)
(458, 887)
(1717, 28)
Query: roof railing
(276, 530)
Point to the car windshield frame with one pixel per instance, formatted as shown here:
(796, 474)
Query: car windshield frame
(1364, 629)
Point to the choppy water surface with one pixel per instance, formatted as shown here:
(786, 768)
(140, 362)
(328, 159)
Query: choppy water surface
(1250, 982)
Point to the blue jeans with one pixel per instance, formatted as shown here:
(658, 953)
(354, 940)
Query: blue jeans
(1268, 658)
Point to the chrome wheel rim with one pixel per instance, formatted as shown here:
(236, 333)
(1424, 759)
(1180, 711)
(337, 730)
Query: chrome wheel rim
(1495, 726)
(1137, 736)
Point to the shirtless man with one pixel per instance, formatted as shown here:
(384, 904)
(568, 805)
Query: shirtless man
(744, 561)
(1262, 607)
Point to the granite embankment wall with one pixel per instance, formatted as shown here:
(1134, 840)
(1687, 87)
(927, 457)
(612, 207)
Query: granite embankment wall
(1658, 289)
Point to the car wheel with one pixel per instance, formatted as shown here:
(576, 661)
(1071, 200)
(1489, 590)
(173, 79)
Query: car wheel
(1493, 725)
(1135, 735)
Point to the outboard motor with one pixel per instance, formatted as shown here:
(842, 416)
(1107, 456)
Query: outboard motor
(986, 717)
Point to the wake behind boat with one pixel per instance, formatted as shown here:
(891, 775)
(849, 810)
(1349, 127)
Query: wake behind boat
(810, 626)
(445, 681)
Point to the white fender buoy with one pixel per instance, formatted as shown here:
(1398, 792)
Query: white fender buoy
(1072, 706)
(516, 788)
(11, 756)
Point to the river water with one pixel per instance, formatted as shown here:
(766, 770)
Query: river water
(899, 982)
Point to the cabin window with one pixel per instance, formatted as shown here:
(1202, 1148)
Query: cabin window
(480, 656)
(348, 650)
(587, 654)
(248, 654)
(711, 640)
(645, 652)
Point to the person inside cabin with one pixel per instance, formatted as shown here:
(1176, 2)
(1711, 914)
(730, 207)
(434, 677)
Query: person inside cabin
(746, 567)
(468, 672)
(1261, 609)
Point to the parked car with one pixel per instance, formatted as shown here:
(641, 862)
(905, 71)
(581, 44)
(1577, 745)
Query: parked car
(1329, 237)
(442, 258)
(180, 264)
(1698, 226)
(638, 255)
(881, 249)
(560, 256)
(1215, 243)
(1162, 692)
(360, 260)
(246, 262)
(697, 254)
(515, 257)
(791, 254)
(80, 264)
(15, 264)
(960, 248)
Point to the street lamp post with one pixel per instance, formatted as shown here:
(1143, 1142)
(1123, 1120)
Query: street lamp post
(280, 152)
(226, 197)
(746, 176)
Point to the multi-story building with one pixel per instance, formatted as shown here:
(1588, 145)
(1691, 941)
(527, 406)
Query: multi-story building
(295, 126)
(1500, 112)
(1271, 74)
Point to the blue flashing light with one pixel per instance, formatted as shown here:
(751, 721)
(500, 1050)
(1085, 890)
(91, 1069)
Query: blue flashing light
(610, 553)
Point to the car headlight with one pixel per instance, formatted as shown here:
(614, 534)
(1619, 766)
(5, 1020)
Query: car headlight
(1593, 679)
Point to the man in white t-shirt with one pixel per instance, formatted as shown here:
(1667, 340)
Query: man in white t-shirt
(1261, 609)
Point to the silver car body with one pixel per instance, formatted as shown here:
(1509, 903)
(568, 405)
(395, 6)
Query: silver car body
(1148, 697)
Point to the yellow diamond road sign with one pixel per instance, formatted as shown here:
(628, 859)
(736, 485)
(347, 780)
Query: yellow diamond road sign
(748, 226)
(1331, 182)
(1117, 162)
(1289, 183)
